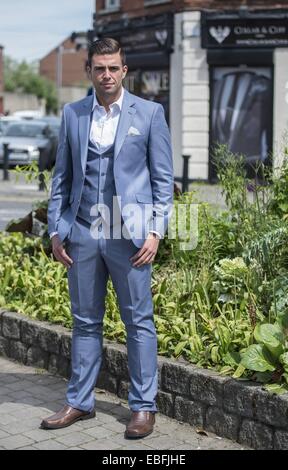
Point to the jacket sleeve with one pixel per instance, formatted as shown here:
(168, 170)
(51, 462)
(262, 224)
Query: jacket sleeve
(62, 177)
(161, 171)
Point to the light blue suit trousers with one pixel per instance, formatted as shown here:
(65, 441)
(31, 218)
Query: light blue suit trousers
(94, 259)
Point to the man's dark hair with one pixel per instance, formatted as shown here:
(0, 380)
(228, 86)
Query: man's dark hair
(105, 46)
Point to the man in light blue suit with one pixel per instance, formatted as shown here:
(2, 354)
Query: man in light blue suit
(112, 194)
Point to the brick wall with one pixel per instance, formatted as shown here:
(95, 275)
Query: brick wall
(221, 4)
(148, 7)
(73, 65)
(1, 70)
(136, 8)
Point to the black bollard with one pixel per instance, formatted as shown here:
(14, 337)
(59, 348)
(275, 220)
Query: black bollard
(6, 162)
(41, 167)
(185, 176)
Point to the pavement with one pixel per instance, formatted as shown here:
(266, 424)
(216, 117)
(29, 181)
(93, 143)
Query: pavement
(27, 395)
(17, 198)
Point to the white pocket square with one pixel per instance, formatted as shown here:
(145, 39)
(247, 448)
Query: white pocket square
(133, 131)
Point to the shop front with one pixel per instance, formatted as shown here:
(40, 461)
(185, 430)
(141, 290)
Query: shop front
(229, 85)
(244, 75)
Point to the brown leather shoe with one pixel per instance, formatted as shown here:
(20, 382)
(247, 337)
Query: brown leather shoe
(141, 424)
(65, 417)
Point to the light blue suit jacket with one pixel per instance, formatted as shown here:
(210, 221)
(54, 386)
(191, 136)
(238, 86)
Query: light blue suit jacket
(143, 168)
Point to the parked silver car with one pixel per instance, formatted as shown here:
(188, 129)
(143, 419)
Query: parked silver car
(54, 123)
(26, 139)
(5, 121)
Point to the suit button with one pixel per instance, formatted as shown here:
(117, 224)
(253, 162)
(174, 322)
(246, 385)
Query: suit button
(103, 174)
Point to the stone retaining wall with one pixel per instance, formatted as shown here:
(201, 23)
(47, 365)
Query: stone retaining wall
(235, 409)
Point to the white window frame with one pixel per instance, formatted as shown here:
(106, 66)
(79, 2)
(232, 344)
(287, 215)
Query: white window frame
(112, 4)
(155, 2)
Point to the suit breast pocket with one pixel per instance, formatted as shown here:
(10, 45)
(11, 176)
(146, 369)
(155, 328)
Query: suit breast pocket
(136, 140)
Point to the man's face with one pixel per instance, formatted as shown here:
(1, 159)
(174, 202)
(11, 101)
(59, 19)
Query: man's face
(107, 73)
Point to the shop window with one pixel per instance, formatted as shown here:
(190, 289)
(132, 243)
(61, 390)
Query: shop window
(241, 113)
(152, 85)
(112, 4)
(155, 2)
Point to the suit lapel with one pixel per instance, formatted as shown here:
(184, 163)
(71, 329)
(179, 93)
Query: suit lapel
(127, 112)
(84, 126)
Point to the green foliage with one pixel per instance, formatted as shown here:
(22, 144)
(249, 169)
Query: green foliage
(23, 77)
(32, 173)
(232, 279)
(279, 202)
(269, 356)
(32, 283)
(231, 174)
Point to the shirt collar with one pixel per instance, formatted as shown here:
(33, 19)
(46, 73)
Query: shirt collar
(119, 102)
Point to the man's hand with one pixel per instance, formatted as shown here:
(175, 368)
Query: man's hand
(147, 253)
(60, 253)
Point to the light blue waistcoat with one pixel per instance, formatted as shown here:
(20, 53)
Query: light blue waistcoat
(99, 185)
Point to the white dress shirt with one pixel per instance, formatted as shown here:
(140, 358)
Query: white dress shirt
(104, 124)
(104, 127)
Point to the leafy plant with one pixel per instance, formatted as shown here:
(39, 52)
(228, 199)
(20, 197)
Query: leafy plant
(279, 202)
(269, 357)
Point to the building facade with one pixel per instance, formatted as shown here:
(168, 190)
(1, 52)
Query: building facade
(220, 69)
(65, 65)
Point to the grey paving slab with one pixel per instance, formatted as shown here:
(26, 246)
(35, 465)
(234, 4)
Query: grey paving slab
(96, 422)
(15, 442)
(20, 394)
(5, 391)
(38, 435)
(163, 442)
(75, 448)
(50, 444)
(116, 427)
(102, 444)
(3, 434)
(136, 446)
(99, 432)
(57, 433)
(26, 413)
(6, 418)
(74, 439)
(19, 385)
(33, 401)
(20, 427)
(23, 408)
(27, 448)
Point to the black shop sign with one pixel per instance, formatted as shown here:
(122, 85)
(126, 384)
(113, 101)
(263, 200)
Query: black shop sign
(244, 32)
